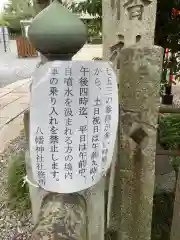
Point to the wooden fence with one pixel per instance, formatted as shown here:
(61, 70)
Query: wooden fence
(25, 48)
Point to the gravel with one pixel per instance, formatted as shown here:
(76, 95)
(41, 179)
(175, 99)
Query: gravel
(12, 226)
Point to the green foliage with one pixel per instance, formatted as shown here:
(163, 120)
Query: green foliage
(93, 8)
(177, 66)
(16, 10)
(93, 28)
(3, 22)
(169, 136)
(163, 82)
(18, 192)
(169, 131)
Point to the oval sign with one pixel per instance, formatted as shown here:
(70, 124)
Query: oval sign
(73, 124)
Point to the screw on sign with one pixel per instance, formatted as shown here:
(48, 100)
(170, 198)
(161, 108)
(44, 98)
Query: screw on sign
(74, 107)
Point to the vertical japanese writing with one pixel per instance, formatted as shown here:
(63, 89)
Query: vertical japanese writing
(83, 112)
(108, 114)
(39, 141)
(53, 122)
(96, 123)
(73, 136)
(68, 118)
(97, 75)
(96, 126)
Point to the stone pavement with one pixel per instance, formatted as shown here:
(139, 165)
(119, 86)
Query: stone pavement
(14, 100)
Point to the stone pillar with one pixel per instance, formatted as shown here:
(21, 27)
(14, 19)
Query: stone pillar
(125, 23)
(129, 22)
(139, 84)
(57, 34)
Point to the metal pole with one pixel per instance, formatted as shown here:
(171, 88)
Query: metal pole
(4, 40)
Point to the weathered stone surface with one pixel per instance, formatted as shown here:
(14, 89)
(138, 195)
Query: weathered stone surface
(61, 217)
(125, 23)
(95, 206)
(129, 22)
(139, 84)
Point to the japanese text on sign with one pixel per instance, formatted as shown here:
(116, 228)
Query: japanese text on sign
(75, 110)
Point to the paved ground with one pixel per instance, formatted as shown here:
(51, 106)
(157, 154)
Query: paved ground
(13, 69)
(14, 99)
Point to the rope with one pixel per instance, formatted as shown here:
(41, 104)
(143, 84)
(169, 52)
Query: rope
(26, 180)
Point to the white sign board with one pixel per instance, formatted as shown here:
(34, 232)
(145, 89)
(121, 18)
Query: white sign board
(73, 124)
